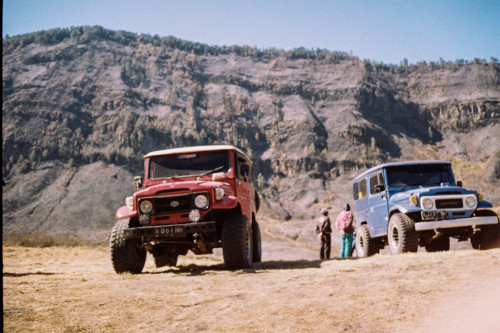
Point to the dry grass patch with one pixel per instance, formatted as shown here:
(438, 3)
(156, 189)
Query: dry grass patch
(39, 239)
(64, 289)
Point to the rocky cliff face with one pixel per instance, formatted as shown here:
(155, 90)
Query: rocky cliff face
(81, 108)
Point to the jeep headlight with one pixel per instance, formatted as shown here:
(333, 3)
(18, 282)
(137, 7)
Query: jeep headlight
(146, 206)
(129, 201)
(219, 193)
(470, 202)
(201, 201)
(427, 204)
(194, 215)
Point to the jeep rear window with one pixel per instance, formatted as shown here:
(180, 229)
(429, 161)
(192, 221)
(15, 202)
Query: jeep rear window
(413, 175)
(362, 188)
(189, 164)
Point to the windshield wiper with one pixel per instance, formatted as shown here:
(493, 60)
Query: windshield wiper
(407, 185)
(212, 171)
(187, 173)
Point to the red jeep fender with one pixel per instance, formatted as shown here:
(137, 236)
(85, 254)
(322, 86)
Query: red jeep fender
(227, 202)
(124, 212)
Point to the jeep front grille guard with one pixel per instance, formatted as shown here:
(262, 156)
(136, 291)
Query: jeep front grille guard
(174, 203)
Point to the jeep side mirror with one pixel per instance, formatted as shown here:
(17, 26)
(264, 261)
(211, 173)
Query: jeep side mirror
(379, 188)
(459, 183)
(218, 176)
(137, 182)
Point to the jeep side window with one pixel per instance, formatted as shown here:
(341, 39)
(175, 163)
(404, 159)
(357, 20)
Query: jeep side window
(242, 168)
(250, 174)
(377, 183)
(362, 189)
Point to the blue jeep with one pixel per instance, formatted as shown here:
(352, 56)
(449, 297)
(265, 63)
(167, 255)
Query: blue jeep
(410, 204)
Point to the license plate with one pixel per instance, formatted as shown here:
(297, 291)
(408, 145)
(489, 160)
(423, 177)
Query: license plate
(169, 231)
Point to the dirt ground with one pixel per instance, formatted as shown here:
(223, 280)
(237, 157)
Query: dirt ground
(63, 289)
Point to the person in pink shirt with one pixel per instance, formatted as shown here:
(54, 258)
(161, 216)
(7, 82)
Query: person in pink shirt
(344, 223)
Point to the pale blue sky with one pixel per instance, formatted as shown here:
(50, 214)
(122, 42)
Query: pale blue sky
(379, 30)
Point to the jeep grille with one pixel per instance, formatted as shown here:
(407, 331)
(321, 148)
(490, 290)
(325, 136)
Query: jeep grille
(449, 203)
(173, 203)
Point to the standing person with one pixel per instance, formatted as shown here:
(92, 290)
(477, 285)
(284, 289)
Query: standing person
(344, 223)
(324, 230)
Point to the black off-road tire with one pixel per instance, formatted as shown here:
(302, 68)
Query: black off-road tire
(257, 201)
(401, 234)
(365, 245)
(475, 241)
(440, 244)
(127, 255)
(489, 236)
(257, 245)
(237, 242)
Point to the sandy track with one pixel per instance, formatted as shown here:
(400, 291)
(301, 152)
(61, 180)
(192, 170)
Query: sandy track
(75, 290)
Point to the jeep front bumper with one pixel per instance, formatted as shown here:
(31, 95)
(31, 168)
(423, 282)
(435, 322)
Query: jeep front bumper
(457, 223)
(169, 230)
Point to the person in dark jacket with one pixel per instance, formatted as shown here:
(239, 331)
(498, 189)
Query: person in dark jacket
(324, 231)
(344, 223)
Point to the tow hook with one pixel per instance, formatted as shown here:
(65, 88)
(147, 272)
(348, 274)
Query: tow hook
(436, 236)
(200, 242)
(147, 246)
(475, 230)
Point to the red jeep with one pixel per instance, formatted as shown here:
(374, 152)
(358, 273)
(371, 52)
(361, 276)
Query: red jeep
(195, 198)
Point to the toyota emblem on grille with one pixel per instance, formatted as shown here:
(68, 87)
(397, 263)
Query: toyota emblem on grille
(174, 203)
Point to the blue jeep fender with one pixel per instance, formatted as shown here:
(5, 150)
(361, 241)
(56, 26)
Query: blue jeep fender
(404, 208)
(484, 204)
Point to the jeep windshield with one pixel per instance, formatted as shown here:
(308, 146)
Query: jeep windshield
(419, 175)
(189, 164)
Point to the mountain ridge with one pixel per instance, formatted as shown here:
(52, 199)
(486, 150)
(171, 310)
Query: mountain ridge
(90, 102)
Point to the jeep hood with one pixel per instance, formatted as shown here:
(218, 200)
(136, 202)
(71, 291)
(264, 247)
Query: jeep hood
(185, 186)
(436, 190)
(401, 200)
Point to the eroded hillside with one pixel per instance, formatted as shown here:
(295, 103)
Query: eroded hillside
(81, 107)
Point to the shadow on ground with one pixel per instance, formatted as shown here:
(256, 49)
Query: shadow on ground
(256, 267)
(6, 274)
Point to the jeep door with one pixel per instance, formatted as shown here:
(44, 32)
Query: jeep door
(377, 198)
(361, 200)
(243, 186)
